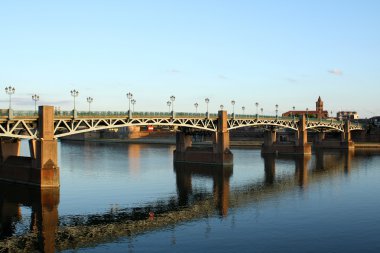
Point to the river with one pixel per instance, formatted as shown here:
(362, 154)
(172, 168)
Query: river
(131, 198)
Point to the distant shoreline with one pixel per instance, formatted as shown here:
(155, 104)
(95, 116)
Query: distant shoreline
(171, 141)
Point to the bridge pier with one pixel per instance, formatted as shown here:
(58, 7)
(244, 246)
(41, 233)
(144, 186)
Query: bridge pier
(345, 142)
(218, 154)
(41, 169)
(10, 147)
(300, 147)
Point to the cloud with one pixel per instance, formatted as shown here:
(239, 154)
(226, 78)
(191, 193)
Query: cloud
(174, 71)
(336, 72)
(222, 77)
(292, 80)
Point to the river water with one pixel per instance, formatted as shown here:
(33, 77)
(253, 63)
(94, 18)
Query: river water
(131, 198)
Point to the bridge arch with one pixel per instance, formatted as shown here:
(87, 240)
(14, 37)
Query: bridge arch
(83, 126)
(330, 127)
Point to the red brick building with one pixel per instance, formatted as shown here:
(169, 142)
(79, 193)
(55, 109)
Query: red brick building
(318, 113)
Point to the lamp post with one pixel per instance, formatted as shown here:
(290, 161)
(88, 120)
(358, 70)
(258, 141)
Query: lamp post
(133, 101)
(243, 109)
(257, 109)
(172, 98)
(221, 107)
(10, 91)
(262, 110)
(35, 98)
(207, 100)
(129, 96)
(276, 110)
(307, 113)
(293, 112)
(196, 107)
(89, 101)
(233, 108)
(74, 93)
(169, 104)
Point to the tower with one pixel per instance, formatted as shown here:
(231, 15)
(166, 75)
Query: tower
(319, 107)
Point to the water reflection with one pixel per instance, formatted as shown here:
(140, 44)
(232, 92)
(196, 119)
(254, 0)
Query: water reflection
(220, 176)
(189, 203)
(43, 220)
(301, 163)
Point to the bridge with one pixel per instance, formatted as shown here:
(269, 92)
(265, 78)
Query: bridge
(43, 130)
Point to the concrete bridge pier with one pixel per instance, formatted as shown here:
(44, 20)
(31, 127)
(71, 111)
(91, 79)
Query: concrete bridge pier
(218, 154)
(8, 148)
(45, 149)
(345, 142)
(41, 169)
(300, 147)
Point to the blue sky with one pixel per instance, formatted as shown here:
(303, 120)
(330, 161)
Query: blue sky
(272, 52)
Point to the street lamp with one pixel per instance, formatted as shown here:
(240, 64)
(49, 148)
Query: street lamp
(35, 97)
(307, 113)
(243, 109)
(10, 91)
(293, 113)
(207, 100)
(172, 98)
(129, 96)
(74, 93)
(133, 101)
(89, 101)
(196, 107)
(276, 111)
(169, 104)
(233, 107)
(262, 110)
(221, 107)
(257, 108)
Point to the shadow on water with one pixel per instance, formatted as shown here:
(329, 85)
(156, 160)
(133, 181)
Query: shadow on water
(43, 221)
(47, 232)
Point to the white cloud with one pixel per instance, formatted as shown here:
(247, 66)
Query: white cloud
(174, 71)
(336, 72)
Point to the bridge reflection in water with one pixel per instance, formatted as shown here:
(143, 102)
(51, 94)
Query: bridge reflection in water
(44, 216)
(46, 235)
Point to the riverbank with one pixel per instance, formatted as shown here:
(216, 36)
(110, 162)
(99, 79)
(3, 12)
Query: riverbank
(233, 143)
(168, 141)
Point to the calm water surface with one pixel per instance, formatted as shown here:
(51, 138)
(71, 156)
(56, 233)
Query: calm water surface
(130, 198)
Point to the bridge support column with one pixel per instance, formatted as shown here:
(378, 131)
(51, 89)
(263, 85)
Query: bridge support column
(45, 149)
(346, 141)
(303, 146)
(9, 148)
(219, 153)
(221, 145)
(300, 147)
(41, 169)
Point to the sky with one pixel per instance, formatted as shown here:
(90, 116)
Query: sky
(271, 52)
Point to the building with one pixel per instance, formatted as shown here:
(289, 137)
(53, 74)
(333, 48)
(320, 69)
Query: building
(343, 115)
(318, 113)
